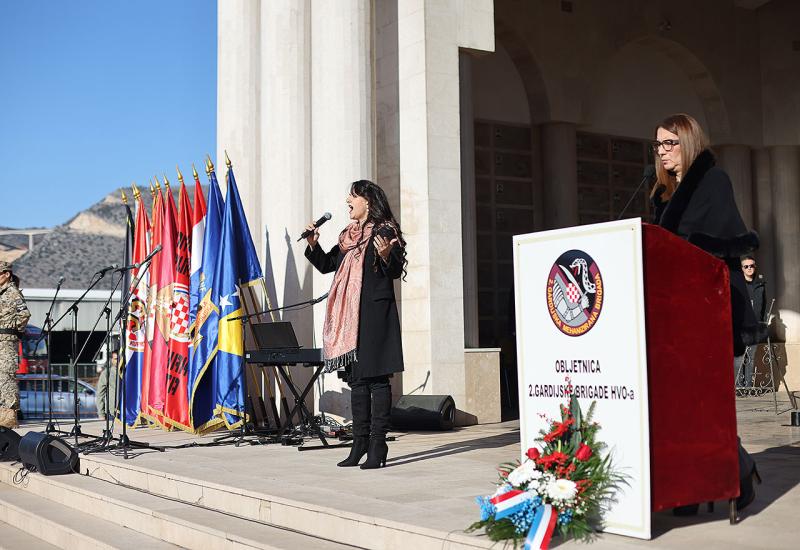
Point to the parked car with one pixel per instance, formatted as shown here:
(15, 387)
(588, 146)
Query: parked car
(33, 399)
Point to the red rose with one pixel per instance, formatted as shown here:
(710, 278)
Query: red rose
(583, 453)
(533, 453)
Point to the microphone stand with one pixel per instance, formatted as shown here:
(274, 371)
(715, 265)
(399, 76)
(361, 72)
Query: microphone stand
(645, 178)
(73, 311)
(47, 328)
(122, 315)
(76, 430)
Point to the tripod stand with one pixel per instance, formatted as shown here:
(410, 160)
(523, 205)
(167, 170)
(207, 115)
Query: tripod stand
(124, 443)
(46, 330)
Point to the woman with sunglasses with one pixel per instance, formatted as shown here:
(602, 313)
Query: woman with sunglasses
(693, 198)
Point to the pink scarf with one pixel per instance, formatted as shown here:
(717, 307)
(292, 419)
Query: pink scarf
(340, 331)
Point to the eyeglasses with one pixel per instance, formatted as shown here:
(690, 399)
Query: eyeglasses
(667, 144)
(749, 266)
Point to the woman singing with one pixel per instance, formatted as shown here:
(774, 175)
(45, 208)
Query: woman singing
(694, 199)
(362, 329)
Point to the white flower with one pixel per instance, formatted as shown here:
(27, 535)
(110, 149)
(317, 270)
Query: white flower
(562, 489)
(524, 473)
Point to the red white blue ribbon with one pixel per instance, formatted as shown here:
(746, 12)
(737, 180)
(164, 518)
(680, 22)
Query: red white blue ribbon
(541, 531)
(508, 503)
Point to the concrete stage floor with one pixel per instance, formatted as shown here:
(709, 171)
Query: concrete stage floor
(431, 479)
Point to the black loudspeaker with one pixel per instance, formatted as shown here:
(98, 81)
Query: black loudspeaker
(424, 412)
(47, 454)
(9, 445)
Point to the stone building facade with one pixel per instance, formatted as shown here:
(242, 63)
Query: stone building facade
(482, 119)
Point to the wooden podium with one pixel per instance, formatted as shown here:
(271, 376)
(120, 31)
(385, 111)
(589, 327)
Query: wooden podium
(632, 317)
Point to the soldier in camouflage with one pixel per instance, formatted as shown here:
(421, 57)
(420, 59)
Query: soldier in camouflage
(14, 317)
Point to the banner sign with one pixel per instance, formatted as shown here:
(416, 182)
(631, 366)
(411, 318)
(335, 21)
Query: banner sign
(581, 329)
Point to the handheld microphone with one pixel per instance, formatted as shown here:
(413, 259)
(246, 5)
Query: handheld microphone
(648, 175)
(317, 223)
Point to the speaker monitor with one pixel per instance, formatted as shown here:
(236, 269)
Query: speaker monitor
(424, 412)
(9, 445)
(47, 454)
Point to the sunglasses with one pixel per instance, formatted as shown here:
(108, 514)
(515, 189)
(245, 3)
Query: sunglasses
(751, 266)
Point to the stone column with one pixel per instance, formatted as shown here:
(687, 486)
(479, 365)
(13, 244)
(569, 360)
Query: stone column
(785, 166)
(286, 142)
(764, 217)
(560, 174)
(238, 104)
(469, 232)
(342, 134)
(736, 161)
(429, 37)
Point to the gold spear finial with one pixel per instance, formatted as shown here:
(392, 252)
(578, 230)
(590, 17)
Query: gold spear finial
(227, 160)
(180, 176)
(158, 183)
(209, 164)
(136, 194)
(124, 196)
(166, 183)
(152, 189)
(194, 172)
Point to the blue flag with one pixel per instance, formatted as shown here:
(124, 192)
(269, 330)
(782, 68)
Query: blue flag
(237, 268)
(204, 343)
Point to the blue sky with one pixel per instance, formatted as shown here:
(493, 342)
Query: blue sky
(97, 94)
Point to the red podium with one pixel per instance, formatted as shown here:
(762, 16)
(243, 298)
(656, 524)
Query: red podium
(693, 445)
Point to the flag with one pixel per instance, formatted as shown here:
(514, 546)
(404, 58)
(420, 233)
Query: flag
(152, 295)
(176, 404)
(198, 229)
(204, 343)
(135, 333)
(237, 269)
(164, 285)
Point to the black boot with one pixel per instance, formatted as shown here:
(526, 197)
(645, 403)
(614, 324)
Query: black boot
(376, 454)
(361, 404)
(357, 451)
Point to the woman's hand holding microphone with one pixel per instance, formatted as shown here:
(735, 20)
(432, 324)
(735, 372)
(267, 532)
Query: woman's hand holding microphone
(314, 236)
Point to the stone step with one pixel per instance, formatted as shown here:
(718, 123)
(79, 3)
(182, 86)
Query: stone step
(369, 528)
(164, 519)
(12, 538)
(41, 523)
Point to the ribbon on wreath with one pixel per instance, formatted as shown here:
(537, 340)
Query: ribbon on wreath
(542, 526)
(509, 502)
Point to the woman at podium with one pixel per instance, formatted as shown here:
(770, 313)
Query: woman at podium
(361, 333)
(693, 198)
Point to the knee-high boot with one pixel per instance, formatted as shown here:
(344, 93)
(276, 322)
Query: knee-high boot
(360, 403)
(381, 406)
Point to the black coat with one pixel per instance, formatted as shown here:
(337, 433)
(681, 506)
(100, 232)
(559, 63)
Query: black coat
(758, 288)
(380, 349)
(703, 211)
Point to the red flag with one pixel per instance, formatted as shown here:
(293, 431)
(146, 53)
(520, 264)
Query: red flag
(152, 296)
(176, 407)
(137, 319)
(164, 285)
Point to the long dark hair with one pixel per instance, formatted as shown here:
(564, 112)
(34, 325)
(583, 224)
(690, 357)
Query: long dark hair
(380, 214)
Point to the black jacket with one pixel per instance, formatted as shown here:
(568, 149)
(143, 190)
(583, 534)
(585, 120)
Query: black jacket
(380, 349)
(758, 297)
(703, 211)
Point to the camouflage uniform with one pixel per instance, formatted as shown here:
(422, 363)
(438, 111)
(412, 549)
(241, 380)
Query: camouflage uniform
(14, 317)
